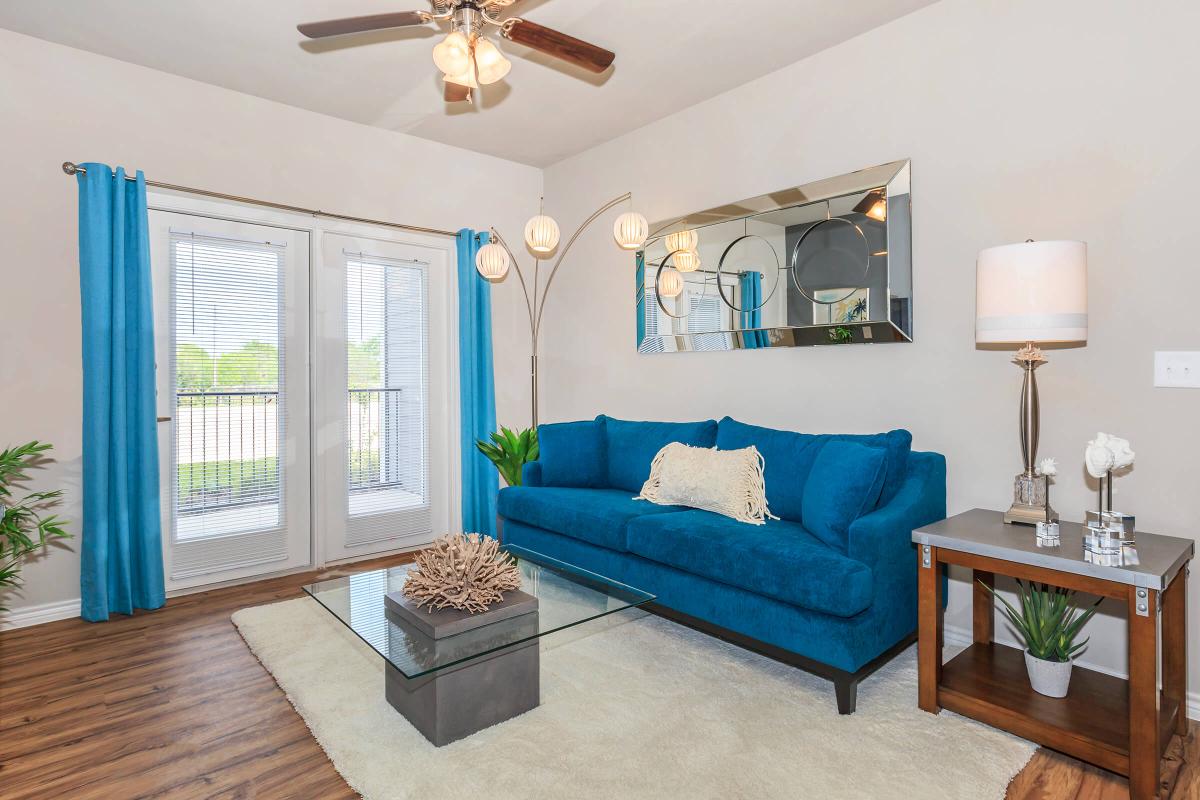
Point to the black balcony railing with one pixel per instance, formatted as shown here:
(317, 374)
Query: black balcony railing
(376, 419)
(227, 449)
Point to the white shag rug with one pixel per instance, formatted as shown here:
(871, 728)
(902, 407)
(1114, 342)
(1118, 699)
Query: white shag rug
(634, 706)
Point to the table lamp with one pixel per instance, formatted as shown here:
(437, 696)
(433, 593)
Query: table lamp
(1029, 294)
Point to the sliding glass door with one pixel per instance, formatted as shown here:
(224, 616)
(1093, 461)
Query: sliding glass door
(232, 310)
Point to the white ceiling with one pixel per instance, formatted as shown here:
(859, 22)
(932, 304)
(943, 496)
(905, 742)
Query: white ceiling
(670, 54)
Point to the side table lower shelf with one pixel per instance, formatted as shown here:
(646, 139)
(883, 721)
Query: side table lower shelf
(988, 682)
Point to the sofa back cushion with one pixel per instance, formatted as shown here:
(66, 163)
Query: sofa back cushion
(573, 454)
(789, 458)
(844, 483)
(633, 445)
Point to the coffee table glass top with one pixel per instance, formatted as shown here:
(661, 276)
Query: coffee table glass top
(567, 596)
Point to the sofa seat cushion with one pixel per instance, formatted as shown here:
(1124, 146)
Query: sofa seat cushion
(780, 559)
(596, 516)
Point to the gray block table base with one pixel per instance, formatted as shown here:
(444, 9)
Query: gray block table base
(456, 702)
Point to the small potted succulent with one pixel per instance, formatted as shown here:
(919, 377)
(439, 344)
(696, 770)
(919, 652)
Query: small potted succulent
(1048, 623)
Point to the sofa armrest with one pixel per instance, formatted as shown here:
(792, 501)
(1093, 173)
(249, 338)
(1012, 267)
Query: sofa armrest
(531, 474)
(884, 537)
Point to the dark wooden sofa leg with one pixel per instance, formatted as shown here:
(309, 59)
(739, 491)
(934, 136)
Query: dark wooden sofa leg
(846, 689)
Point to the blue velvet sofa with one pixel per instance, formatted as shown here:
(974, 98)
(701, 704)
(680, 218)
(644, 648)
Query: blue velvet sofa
(830, 587)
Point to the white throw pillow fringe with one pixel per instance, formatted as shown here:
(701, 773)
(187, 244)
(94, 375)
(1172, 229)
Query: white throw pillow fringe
(727, 482)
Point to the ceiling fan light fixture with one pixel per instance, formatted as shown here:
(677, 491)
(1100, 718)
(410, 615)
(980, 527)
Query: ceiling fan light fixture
(542, 234)
(490, 63)
(465, 79)
(874, 205)
(452, 55)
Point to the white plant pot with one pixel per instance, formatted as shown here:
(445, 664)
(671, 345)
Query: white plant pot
(1051, 678)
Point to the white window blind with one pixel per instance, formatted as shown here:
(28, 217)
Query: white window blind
(387, 399)
(704, 317)
(230, 410)
(658, 324)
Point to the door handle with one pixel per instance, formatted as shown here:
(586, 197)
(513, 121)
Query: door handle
(164, 419)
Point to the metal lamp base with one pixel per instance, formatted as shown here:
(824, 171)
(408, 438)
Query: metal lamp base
(1030, 504)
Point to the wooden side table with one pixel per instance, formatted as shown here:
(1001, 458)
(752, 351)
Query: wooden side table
(1118, 724)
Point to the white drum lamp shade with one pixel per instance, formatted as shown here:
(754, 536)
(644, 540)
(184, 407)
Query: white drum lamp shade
(1032, 292)
(492, 262)
(541, 234)
(631, 230)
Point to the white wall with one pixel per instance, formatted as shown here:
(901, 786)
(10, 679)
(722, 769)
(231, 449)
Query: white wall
(1071, 119)
(59, 104)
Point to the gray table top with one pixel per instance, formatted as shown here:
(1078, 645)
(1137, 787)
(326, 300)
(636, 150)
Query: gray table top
(985, 533)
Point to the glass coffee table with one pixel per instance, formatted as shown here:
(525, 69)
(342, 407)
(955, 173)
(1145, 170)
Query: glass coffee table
(451, 687)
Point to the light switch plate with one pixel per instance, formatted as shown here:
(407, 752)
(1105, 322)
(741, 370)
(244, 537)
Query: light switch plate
(1177, 369)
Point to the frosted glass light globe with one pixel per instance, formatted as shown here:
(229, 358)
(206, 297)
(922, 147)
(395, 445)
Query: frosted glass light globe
(490, 62)
(681, 240)
(631, 230)
(541, 234)
(453, 54)
(686, 260)
(670, 282)
(492, 262)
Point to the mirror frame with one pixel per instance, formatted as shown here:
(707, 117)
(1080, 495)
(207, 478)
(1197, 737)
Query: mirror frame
(894, 177)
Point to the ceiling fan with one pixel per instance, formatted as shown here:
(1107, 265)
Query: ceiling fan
(466, 57)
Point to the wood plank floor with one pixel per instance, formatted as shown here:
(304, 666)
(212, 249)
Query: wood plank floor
(173, 705)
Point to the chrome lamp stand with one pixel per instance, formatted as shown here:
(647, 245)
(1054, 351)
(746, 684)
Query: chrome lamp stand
(1030, 491)
(535, 295)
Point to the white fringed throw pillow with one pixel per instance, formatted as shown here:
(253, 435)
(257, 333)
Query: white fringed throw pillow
(728, 482)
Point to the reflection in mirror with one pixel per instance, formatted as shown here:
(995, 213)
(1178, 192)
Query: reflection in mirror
(825, 263)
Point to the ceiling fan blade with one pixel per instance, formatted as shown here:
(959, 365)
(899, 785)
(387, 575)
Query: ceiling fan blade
(457, 93)
(373, 22)
(560, 45)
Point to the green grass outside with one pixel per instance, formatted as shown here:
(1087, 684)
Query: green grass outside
(251, 476)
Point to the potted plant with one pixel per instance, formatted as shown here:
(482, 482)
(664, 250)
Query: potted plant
(510, 452)
(1048, 623)
(24, 528)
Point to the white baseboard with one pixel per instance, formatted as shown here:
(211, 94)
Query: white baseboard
(962, 637)
(36, 615)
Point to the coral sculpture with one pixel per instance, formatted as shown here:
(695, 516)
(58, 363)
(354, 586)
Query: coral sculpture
(1105, 453)
(467, 572)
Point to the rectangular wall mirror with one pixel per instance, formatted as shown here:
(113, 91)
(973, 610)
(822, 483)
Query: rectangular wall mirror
(826, 263)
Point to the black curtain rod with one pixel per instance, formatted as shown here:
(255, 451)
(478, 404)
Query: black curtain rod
(71, 168)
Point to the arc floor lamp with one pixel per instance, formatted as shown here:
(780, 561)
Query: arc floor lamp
(542, 238)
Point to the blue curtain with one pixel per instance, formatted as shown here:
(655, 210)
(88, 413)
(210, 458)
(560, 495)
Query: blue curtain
(478, 389)
(750, 284)
(122, 543)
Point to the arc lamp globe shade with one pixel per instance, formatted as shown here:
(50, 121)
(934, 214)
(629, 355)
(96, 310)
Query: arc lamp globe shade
(1032, 292)
(490, 63)
(631, 231)
(686, 260)
(452, 55)
(681, 240)
(541, 234)
(670, 282)
(492, 262)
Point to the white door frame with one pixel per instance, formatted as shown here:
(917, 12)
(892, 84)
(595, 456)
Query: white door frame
(323, 550)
